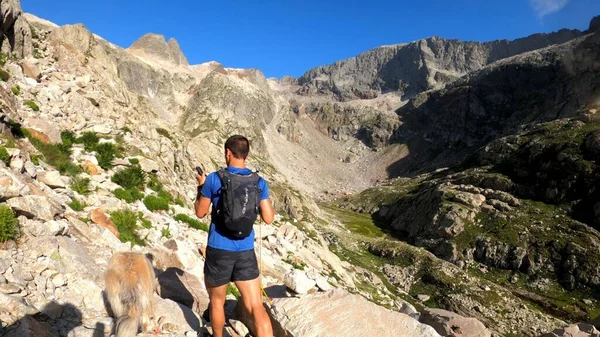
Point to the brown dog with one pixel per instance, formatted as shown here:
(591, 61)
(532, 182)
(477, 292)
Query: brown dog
(130, 286)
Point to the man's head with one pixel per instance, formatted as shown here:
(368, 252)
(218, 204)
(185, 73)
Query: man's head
(236, 147)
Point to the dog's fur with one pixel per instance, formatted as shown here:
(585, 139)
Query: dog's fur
(130, 286)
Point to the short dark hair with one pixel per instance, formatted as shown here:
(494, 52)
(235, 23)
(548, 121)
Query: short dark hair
(238, 145)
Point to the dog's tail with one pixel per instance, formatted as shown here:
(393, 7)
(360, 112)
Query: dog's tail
(129, 282)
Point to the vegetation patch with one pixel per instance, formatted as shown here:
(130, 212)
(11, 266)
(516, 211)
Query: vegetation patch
(32, 105)
(130, 177)
(4, 156)
(81, 185)
(77, 205)
(9, 225)
(194, 223)
(4, 75)
(126, 223)
(154, 203)
(134, 161)
(233, 290)
(129, 195)
(166, 233)
(16, 90)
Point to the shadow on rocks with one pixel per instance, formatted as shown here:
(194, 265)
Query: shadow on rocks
(54, 319)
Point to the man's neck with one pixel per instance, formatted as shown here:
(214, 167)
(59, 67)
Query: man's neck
(237, 163)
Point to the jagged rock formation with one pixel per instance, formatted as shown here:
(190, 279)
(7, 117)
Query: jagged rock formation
(154, 46)
(412, 68)
(16, 34)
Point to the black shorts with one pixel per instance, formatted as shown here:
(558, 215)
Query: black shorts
(223, 266)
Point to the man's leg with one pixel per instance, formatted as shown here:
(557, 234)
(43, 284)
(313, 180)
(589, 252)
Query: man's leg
(252, 300)
(217, 307)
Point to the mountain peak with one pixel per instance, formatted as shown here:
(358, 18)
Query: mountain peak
(155, 46)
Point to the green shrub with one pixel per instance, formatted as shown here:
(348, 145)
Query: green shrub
(134, 161)
(126, 129)
(166, 195)
(4, 156)
(4, 75)
(16, 90)
(130, 177)
(37, 54)
(146, 223)
(106, 153)
(166, 233)
(9, 225)
(68, 137)
(153, 183)
(35, 159)
(89, 140)
(154, 203)
(3, 59)
(10, 144)
(179, 202)
(129, 195)
(126, 223)
(191, 222)
(81, 185)
(232, 290)
(77, 205)
(32, 105)
(57, 155)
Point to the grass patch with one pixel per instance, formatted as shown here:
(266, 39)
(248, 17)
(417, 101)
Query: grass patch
(154, 203)
(9, 225)
(81, 185)
(179, 201)
(165, 134)
(16, 90)
(32, 105)
(126, 129)
(126, 223)
(194, 223)
(106, 153)
(356, 222)
(77, 205)
(129, 195)
(134, 161)
(55, 154)
(4, 75)
(233, 290)
(166, 233)
(3, 59)
(4, 156)
(130, 177)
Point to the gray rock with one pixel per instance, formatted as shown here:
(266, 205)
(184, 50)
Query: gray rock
(52, 179)
(447, 323)
(575, 330)
(297, 281)
(36, 206)
(184, 288)
(16, 34)
(174, 317)
(31, 70)
(11, 185)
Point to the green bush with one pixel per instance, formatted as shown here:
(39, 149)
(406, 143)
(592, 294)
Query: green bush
(166, 233)
(3, 59)
(77, 205)
(126, 129)
(9, 225)
(129, 195)
(130, 177)
(35, 159)
(179, 202)
(126, 223)
(4, 75)
(89, 140)
(146, 223)
(153, 183)
(191, 222)
(232, 290)
(32, 105)
(81, 185)
(154, 203)
(16, 90)
(57, 155)
(166, 195)
(68, 138)
(11, 144)
(106, 153)
(134, 161)
(4, 156)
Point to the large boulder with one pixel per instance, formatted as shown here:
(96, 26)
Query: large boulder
(16, 34)
(184, 288)
(575, 330)
(36, 206)
(11, 185)
(52, 179)
(174, 317)
(447, 323)
(338, 313)
(100, 218)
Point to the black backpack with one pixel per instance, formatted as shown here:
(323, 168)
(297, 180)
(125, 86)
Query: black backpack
(238, 204)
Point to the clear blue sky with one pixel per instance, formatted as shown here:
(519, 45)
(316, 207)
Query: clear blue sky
(288, 37)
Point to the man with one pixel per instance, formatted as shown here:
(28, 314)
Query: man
(229, 258)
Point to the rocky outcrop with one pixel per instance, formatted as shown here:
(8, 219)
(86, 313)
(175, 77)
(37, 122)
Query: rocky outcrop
(16, 34)
(339, 313)
(155, 46)
(415, 67)
(447, 323)
(575, 330)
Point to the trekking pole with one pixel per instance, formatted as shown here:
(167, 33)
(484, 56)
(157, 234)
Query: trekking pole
(270, 307)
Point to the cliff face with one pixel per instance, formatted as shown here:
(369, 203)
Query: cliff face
(412, 68)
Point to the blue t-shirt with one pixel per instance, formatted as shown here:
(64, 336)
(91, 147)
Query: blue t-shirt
(212, 190)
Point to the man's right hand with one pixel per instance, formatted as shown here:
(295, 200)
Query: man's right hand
(201, 178)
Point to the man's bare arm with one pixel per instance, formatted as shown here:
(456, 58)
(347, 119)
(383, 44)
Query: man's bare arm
(266, 211)
(202, 206)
